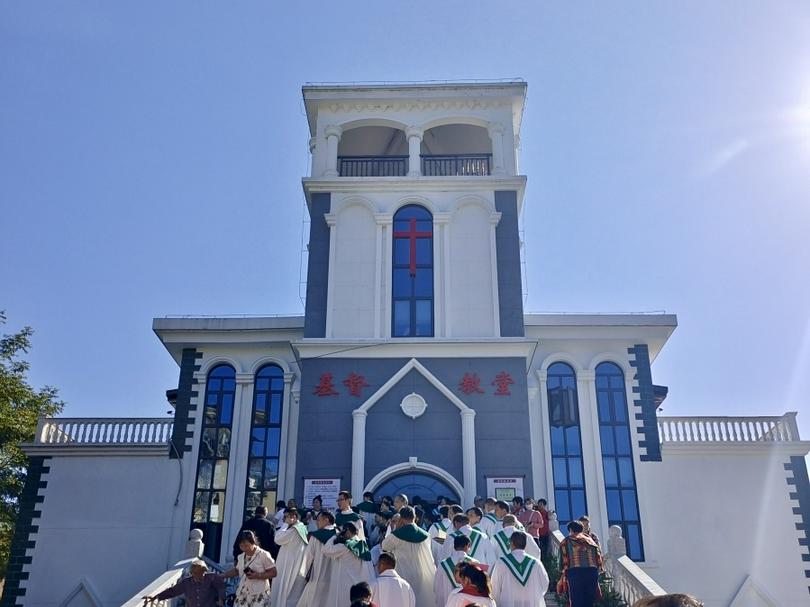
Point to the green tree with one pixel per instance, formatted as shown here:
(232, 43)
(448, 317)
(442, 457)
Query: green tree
(21, 405)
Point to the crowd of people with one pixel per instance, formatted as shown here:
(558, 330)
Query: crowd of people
(398, 554)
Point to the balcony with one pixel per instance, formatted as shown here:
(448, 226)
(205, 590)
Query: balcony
(433, 165)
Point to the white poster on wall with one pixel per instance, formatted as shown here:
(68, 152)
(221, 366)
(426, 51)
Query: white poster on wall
(327, 488)
(505, 488)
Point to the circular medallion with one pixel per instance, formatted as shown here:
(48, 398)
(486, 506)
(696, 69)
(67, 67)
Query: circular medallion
(413, 405)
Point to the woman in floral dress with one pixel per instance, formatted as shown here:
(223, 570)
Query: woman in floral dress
(256, 567)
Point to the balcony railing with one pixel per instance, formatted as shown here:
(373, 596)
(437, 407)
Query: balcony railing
(774, 429)
(86, 431)
(372, 166)
(432, 165)
(456, 164)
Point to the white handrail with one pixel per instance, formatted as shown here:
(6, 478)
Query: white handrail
(719, 429)
(104, 431)
(163, 582)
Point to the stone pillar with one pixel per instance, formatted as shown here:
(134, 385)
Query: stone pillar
(494, 220)
(592, 450)
(358, 451)
(468, 454)
(333, 134)
(441, 274)
(290, 432)
(313, 142)
(414, 136)
(496, 136)
(542, 380)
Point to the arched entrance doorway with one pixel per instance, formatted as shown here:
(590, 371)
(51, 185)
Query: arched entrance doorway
(419, 487)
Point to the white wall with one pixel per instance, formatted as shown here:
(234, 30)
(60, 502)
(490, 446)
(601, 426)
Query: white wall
(721, 514)
(108, 519)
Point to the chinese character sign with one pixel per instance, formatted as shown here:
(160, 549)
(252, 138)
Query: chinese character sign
(326, 386)
(355, 383)
(502, 382)
(471, 384)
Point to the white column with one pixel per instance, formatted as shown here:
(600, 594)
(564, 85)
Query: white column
(358, 451)
(447, 275)
(386, 221)
(440, 221)
(496, 136)
(331, 221)
(468, 454)
(332, 134)
(542, 378)
(289, 432)
(380, 268)
(414, 135)
(592, 450)
(536, 442)
(495, 218)
(313, 142)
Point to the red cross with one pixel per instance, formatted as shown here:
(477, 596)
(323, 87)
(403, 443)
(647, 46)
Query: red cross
(412, 235)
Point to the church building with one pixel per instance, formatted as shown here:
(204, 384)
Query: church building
(415, 369)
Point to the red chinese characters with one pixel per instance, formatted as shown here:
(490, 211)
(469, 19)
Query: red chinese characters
(470, 384)
(502, 382)
(355, 383)
(326, 386)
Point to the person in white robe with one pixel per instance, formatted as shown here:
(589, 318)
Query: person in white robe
(489, 522)
(475, 588)
(367, 509)
(291, 538)
(316, 567)
(351, 564)
(390, 589)
(518, 579)
(445, 581)
(346, 514)
(438, 532)
(501, 542)
(317, 508)
(480, 549)
(410, 545)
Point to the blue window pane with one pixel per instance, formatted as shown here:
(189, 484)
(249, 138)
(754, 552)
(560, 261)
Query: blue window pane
(617, 381)
(606, 438)
(228, 385)
(614, 506)
(578, 507)
(629, 504)
(226, 410)
(273, 441)
(424, 251)
(402, 251)
(424, 318)
(256, 448)
(402, 283)
(423, 284)
(260, 409)
(611, 476)
(275, 408)
(561, 502)
(604, 406)
(623, 440)
(402, 318)
(626, 472)
(560, 472)
(572, 440)
(619, 407)
(262, 384)
(277, 383)
(424, 226)
(214, 385)
(270, 474)
(575, 472)
(601, 382)
(633, 537)
(557, 440)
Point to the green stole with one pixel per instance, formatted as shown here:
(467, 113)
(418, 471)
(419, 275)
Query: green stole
(368, 507)
(359, 549)
(521, 570)
(323, 535)
(410, 533)
(491, 517)
(448, 566)
(475, 539)
(503, 541)
(341, 519)
(302, 531)
(441, 527)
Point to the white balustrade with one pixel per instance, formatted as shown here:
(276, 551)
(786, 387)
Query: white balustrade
(104, 431)
(719, 429)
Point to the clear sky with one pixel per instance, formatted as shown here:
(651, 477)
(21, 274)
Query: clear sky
(151, 156)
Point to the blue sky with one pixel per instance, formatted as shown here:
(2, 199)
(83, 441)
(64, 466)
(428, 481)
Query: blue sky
(151, 156)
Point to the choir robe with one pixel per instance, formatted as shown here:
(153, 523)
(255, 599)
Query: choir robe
(288, 585)
(519, 580)
(391, 590)
(319, 568)
(439, 529)
(443, 582)
(489, 524)
(348, 569)
(501, 544)
(411, 547)
(480, 549)
(460, 599)
(350, 516)
(367, 510)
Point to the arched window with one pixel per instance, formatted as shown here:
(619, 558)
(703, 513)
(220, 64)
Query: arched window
(212, 463)
(566, 443)
(412, 282)
(617, 457)
(265, 439)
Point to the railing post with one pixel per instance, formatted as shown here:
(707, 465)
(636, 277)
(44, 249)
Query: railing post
(333, 134)
(414, 135)
(791, 426)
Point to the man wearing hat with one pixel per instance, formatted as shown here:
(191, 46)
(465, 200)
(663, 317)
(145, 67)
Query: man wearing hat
(201, 588)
